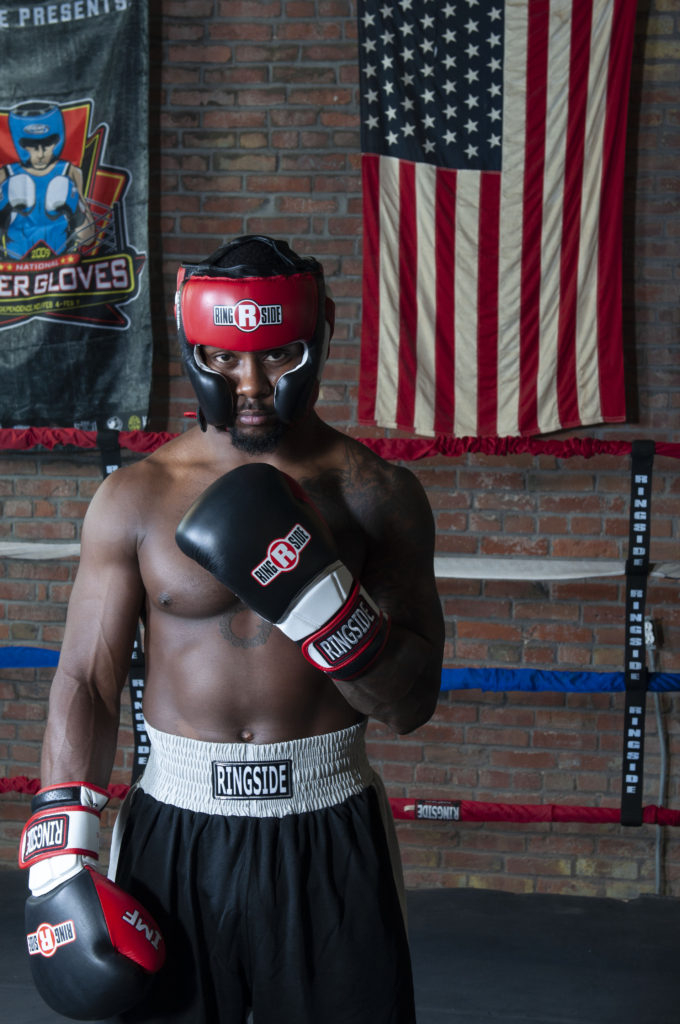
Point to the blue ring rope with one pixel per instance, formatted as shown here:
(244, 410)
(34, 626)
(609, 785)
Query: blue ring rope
(499, 679)
(527, 679)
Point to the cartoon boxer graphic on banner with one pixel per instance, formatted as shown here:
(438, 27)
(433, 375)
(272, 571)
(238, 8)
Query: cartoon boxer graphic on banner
(75, 314)
(41, 196)
(64, 252)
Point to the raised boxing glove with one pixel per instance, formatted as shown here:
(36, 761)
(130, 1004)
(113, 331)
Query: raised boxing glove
(61, 197)
(255, 530)
(93, 948)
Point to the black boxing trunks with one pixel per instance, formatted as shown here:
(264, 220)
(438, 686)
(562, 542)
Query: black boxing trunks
(274, 875)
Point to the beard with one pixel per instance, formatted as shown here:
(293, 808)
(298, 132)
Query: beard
(261, 444)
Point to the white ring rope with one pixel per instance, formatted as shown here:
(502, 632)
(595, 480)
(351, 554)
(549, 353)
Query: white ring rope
(488, 567)
(461, 567)
(37, 551)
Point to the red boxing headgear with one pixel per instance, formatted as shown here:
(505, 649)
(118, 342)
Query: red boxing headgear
(265, 299)
(248, 314)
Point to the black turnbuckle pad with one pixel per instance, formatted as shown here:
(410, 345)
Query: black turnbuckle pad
(635, 667)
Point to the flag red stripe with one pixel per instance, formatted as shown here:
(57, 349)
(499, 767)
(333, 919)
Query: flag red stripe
(612, 389)
(408, 299)
(370, 173)
(487, 305)
(445, 245)
(532, 200)
(567, 385)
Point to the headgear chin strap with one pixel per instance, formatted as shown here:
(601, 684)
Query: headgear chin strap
(252, 308)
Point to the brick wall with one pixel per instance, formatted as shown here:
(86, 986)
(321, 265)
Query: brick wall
(255, 127)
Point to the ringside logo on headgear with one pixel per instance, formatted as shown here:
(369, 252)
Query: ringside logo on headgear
(247, 315)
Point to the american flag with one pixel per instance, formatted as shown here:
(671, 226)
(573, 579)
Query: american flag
(493, 140)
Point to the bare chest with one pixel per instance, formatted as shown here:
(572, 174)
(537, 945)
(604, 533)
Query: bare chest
(178, 586)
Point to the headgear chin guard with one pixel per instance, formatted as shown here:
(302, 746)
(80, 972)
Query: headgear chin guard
(273, 299)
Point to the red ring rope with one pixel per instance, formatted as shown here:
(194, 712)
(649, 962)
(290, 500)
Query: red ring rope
(389, 448)
(412, 808)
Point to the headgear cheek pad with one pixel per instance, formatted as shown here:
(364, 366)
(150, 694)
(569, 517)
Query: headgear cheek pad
(225, 308)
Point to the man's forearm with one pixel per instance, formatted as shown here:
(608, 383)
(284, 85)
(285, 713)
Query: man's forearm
(402, 687)
(81, 736)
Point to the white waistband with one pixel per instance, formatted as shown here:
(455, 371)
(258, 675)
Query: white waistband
(257, 780)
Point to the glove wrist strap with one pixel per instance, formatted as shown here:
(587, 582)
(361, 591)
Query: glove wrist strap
(348, 645)
(65, 822)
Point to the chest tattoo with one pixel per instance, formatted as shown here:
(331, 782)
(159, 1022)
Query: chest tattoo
(236, 626)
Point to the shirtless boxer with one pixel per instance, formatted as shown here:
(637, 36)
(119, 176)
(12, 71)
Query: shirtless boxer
(259, 838)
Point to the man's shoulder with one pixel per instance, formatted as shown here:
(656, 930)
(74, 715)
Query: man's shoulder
(365, 479)
(170, 458)
(134, 486)
(365, 460)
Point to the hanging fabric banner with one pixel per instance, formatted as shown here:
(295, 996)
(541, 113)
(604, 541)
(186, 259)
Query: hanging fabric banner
(75, 326)
(493, 138)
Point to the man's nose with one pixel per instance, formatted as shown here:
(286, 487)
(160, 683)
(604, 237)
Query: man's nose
(251, 378)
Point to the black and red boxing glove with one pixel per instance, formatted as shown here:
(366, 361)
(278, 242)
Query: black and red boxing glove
(93, 948)
(256, 532)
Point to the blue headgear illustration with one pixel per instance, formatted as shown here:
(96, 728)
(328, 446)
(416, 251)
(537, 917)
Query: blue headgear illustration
(37, 121)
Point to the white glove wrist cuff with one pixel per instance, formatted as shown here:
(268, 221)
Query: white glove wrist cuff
(322, 599)
(57, 831)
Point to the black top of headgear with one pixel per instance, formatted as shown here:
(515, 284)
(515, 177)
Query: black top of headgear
(255, 256)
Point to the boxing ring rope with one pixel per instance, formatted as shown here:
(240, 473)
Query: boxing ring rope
(499, 680)
(411, 808)
(461, 567)
(407, 449)
(414, 809)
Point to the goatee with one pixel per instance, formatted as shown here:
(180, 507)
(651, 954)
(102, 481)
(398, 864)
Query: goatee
(260, 444)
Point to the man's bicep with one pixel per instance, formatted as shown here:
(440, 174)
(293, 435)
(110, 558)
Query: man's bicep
(105, 603)
(399, 572)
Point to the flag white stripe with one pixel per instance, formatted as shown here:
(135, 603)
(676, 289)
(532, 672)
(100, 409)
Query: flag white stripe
(553, 195)
(426, 292)
(587, 354)
(388, 342)
(511, 217)
(465, 315)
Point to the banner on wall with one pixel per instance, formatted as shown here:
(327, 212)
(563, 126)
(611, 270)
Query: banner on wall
(493, 144)
(75, 326)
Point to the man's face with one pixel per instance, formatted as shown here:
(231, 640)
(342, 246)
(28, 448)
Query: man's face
(40, 154)
(253, 377)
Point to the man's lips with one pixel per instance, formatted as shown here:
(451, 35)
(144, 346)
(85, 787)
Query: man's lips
(252, 417)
